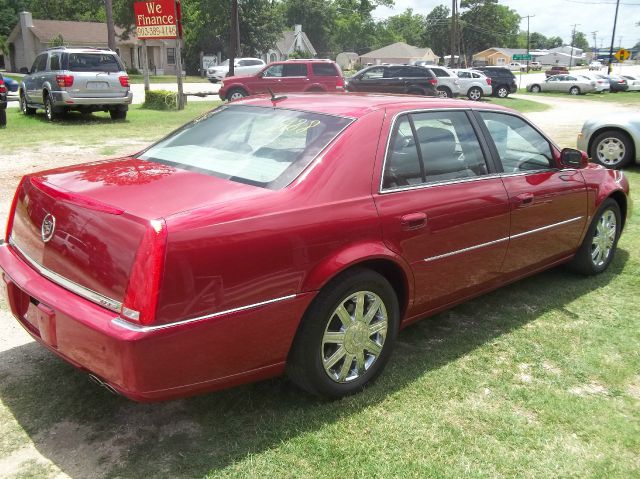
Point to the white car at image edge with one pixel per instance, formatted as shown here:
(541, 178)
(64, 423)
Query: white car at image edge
(241, 66)
(613, 140)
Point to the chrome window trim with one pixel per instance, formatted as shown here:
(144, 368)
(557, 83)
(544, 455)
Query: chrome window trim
(440, 183)
(72, 286)
(382, 190)
(145, 329)
(500, 240)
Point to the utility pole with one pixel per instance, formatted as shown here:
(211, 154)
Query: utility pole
(573, 39)
(234, 37)
(595, 45)
(528, 17)
(111, 33)
(613, 36)
(453, 31)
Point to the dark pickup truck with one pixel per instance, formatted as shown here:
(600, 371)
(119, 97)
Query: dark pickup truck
(409, 79)
(556, 71)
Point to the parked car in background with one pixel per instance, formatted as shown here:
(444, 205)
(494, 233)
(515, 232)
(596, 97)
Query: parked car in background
(448, 83)
(573, 84)
(503, 81)
(297, 237)
(535, 66)
(516, 67)
(618, 83)
(63, 79)
(423, 63)
(409, 79)
(602, 81)
(241, 66)
(595, 65)
(473, 84)
(285, 77)
(11, 84)
(613, 140)
(556, 70)
(633, 82)
(3, 102)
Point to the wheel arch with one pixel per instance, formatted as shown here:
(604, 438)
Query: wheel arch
(604, 129)
(374, 257)
(620, 198)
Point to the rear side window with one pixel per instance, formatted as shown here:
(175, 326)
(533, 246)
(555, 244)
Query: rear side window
(415, 72)
(432, 147)
(324, 69)
(294, 70)
(264, 147)
(93, 62)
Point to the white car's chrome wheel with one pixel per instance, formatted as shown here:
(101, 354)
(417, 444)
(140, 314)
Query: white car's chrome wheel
(611, 151)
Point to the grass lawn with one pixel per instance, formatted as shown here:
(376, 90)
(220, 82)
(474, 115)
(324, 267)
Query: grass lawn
(540, 379)
(141, 124)
(523, 106)
(139, 78)
(631, 98)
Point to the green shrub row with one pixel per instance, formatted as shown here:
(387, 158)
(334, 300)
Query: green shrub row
(160, 100)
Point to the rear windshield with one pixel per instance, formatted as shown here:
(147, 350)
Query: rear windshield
(93, 62)
(266, 147)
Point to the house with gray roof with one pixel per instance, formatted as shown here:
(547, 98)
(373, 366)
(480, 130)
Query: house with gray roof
(399, 52)
(290, 42)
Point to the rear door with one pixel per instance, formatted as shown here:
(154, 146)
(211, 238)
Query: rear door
(295, 77)
(442, 206)
(548, 204)
(95, 75)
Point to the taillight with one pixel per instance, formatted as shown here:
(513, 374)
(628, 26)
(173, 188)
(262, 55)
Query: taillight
(3, 87)
(340, 83)
(124, 80)
(433, 81)
(488, 81)
(12, 211)
(141, 299)
(64, 80)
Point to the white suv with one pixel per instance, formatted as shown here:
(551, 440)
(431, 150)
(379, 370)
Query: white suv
(473, 84)
(448, 83)
(241, 66)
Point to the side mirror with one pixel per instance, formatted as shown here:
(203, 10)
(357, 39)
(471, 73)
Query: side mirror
(571, 158)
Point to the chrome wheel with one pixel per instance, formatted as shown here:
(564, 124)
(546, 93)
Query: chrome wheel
(48, 109)
(354, 336)
(611, 151)
(503, 92)
(574, 90)
(475, 94)
(236, 95)
(604, 238)
(535, 89)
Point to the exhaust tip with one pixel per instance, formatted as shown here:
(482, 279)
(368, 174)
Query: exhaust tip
(96, 380)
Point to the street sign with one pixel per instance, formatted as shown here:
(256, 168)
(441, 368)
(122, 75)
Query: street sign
(523, 56)
(622, 55)
(156, 19)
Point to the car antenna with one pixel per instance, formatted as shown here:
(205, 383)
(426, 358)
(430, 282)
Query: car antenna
(274, 98)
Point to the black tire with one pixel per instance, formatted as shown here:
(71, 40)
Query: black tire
(621, 140)
(444, 92)
(236, 94)
(118, 114)
(51, 112)
(574, 90)
(474, 93)
(24, 108)
(305, 365)
(535, 89)
(584, 262)
(3, 117)
(502, 91)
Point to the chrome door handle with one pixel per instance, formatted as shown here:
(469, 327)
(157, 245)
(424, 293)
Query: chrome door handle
(523, 200)
(413, 221)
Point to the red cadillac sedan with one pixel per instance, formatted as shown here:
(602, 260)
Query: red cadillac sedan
(295, 234)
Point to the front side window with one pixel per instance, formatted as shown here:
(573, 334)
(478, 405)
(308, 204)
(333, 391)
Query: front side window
(520, 147)
(264, 147)
(273, 71)
(373, 74)
(432, 147)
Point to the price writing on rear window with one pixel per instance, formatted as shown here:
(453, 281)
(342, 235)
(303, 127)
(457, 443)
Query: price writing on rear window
(298, 125)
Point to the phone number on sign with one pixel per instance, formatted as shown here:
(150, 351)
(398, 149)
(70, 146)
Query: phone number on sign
(156, 31)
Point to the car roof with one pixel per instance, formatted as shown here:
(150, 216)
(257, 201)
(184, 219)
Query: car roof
(356, 105)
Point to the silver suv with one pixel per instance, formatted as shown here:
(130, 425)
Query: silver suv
(448, 82)
(82, 79)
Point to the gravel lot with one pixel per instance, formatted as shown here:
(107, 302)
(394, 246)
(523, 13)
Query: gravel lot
(562, 123)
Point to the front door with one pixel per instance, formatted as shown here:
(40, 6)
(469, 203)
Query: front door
(443, 207)
(371, 80)
(548, 204)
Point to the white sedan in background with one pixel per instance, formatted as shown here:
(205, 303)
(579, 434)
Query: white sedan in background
(612, 141)
(573, 84)
(633, 82)
(241, 66)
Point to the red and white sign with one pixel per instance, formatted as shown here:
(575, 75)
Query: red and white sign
(156, 18)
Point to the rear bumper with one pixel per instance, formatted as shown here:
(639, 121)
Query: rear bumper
(151, 364)
(62, 98)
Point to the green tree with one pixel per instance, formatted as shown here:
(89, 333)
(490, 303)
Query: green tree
(537, 41)
(317, 18)
(406, 27)
(554, 42)
(487, 24)
(580, 41)
(437, 30)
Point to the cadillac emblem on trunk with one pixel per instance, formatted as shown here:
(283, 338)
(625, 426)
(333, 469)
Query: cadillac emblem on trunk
(48, 227)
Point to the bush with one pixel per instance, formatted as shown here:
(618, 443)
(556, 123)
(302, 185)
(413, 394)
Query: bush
(160, 100)
(133, 71)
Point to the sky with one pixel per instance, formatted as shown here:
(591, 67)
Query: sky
(556, 17)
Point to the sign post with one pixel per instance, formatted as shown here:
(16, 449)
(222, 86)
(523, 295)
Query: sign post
(145, 65)
(160, 19)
